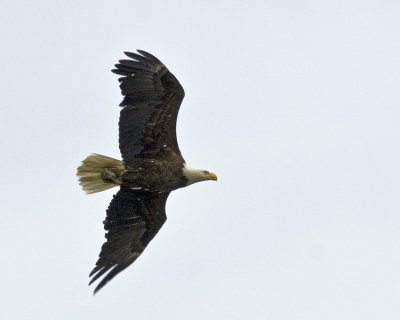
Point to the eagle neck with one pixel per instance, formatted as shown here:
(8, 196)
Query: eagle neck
(192, 175)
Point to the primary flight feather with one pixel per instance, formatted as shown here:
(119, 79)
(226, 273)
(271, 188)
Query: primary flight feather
(151, 167)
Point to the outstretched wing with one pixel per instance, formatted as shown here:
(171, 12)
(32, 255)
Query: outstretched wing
(133, 219)
(152, 97)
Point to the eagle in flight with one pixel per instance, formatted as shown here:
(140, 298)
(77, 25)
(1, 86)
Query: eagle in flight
(152, 165)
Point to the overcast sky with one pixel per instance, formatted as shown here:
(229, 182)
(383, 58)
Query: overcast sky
(294, 104)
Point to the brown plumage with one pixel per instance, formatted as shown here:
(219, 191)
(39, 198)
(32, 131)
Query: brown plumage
(152, 164)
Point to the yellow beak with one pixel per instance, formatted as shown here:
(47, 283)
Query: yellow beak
(212, 176)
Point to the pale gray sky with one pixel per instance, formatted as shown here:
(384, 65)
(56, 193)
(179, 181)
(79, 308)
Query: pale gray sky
(296, 106)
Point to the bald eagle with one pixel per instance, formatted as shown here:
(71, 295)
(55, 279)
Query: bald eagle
(152, 165)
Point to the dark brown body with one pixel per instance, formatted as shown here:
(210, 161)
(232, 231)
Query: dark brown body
(153, 175)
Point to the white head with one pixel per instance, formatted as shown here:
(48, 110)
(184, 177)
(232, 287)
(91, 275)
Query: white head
(197, 175)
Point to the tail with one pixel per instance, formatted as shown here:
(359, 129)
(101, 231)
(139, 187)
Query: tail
(98, 173)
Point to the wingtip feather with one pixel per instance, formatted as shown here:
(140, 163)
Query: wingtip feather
(111, 273)
(149, 56)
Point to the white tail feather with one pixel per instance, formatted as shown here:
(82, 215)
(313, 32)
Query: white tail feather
(98, 173)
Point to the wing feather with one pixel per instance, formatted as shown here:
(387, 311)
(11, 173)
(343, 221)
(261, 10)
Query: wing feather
(133, 219)
(152, 95)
